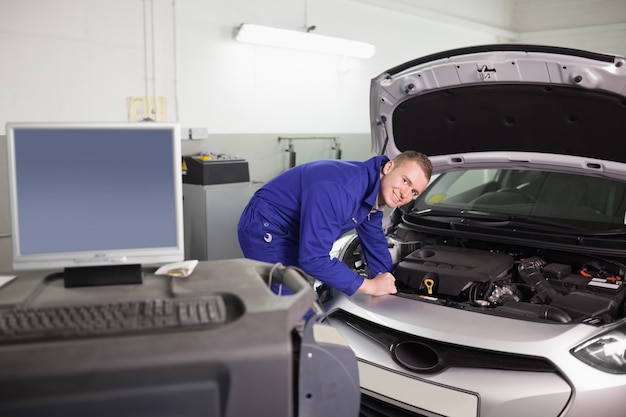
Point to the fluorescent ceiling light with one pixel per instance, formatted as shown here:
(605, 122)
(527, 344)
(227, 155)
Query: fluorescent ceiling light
(305, 41)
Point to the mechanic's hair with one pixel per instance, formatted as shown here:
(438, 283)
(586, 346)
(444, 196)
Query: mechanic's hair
(421, 159)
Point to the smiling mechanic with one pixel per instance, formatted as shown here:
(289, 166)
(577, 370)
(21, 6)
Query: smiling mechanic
(295, 217)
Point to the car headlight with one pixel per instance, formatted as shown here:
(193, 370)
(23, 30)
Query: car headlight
(606, 352)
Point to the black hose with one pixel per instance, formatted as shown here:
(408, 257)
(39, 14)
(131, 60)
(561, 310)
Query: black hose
(537, 311)
(530, 271)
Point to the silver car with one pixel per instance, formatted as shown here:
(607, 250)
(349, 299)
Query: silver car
(510, 267)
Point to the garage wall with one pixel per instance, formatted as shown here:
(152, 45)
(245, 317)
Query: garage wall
(81, 60)
(597, 25)
(530, 16)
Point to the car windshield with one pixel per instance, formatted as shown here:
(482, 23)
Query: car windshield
(556, 199)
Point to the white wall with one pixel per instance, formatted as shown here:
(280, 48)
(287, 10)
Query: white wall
(79, 60)
(597, 25)
(608, 39)
(487, 15)
(553, 15)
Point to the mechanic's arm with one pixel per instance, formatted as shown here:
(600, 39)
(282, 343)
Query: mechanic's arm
(376, 252)
(322, 205)
(322, 213)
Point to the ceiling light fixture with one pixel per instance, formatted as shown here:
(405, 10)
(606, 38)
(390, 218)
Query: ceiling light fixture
(305, 41)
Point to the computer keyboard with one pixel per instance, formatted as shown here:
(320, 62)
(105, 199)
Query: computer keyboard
(117, 318)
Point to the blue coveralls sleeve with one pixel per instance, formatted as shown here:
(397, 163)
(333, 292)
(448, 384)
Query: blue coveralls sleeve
(324, 209)
(374, 244)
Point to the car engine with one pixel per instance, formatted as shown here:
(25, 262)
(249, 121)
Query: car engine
(501, 279)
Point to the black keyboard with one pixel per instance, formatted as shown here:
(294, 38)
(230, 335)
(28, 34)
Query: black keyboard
(118, 318)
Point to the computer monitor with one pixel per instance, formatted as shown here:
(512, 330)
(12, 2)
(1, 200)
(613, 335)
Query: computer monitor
(97, 199)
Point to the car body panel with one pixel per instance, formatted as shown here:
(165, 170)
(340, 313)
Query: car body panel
(532, 99)
(500, 392)
(529, 160)
(494, 390)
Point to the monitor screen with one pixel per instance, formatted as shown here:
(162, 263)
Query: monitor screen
(95, 194)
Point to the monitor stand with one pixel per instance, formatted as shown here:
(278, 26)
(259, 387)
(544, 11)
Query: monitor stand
(88, 276)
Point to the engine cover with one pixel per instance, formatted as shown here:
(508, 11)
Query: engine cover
(445, 270)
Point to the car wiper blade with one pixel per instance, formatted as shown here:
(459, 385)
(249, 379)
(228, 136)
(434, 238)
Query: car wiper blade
(465, 214)
(502, 220)
(545, 225)
(541, 223)
(610, 233)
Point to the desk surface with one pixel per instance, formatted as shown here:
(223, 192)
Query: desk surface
(247, 279)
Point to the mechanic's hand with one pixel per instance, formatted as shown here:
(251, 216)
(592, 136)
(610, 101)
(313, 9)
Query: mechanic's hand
(382, 284)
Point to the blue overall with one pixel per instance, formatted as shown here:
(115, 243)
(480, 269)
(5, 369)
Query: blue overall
(295, 218)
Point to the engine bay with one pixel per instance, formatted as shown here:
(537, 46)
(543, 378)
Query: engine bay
(502, 279)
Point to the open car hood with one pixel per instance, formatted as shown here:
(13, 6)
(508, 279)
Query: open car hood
(494, 105)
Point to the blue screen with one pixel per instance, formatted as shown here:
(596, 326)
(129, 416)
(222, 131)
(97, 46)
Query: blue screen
(94, 189)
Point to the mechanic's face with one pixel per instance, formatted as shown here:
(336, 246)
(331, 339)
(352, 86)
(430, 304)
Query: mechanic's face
(399, 184)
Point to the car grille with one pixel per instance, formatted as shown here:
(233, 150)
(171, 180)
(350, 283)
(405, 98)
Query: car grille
(424, 356)
(373, 407)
